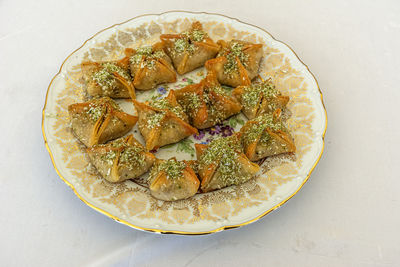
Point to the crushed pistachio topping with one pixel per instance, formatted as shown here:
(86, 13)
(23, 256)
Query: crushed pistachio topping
(163, 103)
(216, 111)
(95, 112)
(195, 35)
(154, 119)
(109, 157)
(191, 101)
(133, 157)
(172, 168)
(97, 108)
(186, 42)
(257, 130)
(235, 50)
(253, 93)
(218, 89)
(105, 78)
(224, 151)
(148, 55)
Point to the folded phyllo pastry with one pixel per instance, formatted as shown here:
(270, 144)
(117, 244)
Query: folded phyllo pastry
(259, 98)
(99, 120)
(207, 103)
(189, 50)
(222, 163)
(163, 122)
(110, 79)
(171, 180)
(121, 159)
(266, 136)
(237, 62)
(150, 66)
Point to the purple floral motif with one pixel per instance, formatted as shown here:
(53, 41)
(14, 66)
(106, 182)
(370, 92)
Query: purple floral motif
(227, 131)
(184, 79)
(215, 130)
(153, 151)
(200, 135)
(161, 90)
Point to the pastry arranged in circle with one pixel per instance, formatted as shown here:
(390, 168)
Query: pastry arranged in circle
(222, 163)
(150, 66)
(108, 78)
(189, 50)
(122, 159)
(207, 103)
(237, 62)
(163, 122)
(259, 98)
(266, 136)
(99, 120)
(171, 180)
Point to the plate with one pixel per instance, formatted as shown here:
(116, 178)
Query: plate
(130, 203)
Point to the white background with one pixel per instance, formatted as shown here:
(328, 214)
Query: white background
(346, 215)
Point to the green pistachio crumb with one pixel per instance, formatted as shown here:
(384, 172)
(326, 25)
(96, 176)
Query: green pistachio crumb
(105, 78)
(254, 92)
(172, 168)
(225, 151)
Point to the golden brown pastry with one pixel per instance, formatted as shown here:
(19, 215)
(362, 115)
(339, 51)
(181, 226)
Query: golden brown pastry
(266, 136)
(110, 79)
(121, 159)
(163, 122)
(237, 62)
(171, 180)
(189, 50)
(150, 66)
(259, 98)
(222, 163)
(207, 103)
(99, 120)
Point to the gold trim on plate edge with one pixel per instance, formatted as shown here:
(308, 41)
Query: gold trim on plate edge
(181, 232)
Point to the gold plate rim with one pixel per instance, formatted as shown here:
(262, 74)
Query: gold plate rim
(172, 231)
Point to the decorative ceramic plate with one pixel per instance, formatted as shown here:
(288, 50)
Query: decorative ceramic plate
(130, 203)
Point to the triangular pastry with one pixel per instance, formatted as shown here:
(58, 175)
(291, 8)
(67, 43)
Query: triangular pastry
(266, 136)
(222, 163)
(150, 66)
(163, 122)
(237, 62)
(99, 120)
(121, 159)
(207, 103)
(189, 50)
(259, 98)
(108, 78)
(171, 180)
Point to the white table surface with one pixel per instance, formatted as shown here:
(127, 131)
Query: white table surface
(346, 215)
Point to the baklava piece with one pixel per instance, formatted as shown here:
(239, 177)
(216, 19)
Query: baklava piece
(222, 163)
(266, 136)
(150, 66)
(121, 159)
(189, 50)
(163, 122)
(99, 120)
(237, 62)
(172, 180)
(207, 103)
(259, 98)
(110, 79)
